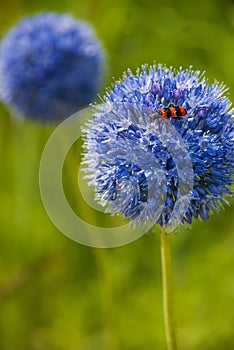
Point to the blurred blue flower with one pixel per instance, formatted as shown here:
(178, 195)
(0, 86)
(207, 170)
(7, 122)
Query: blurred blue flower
(50, 66)
(163, 171)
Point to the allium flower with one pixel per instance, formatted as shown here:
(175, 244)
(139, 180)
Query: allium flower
(50, 66)
(161, 171)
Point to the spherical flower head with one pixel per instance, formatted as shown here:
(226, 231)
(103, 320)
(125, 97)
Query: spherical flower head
(158, 170)
(51, 65)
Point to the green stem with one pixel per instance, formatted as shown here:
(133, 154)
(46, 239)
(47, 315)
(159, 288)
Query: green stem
(167, 290)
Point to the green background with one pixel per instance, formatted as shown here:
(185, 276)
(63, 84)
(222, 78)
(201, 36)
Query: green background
(58, 295)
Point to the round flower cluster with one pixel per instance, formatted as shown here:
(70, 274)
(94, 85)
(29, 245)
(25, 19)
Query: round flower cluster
(50, 66)
(165, 171)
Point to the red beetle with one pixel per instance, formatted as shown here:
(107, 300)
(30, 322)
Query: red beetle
(172, 111)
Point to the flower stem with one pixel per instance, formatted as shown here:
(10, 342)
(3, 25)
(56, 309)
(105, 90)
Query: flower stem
(167, 290)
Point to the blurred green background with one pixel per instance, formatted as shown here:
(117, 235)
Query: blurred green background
(58, 295)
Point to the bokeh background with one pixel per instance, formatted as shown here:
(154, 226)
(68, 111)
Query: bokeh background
(58, 295)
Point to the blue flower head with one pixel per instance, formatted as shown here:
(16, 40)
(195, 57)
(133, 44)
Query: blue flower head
(151, 169)
(50, 66)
